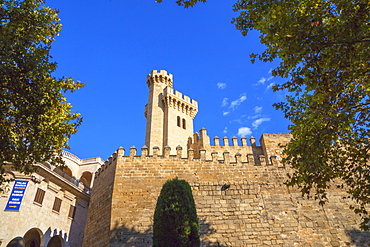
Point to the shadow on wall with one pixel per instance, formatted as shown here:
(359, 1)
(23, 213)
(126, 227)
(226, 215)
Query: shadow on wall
(359, 238)
(206, 231)
(122, 236)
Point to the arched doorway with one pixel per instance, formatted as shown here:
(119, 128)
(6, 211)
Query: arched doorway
(16, 242)
(86, 179)
(33, 238)
(56, 241)
(67, 171)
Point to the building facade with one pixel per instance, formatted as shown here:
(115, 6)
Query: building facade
(49, 207)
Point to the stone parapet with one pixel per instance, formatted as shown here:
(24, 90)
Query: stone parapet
(159, 76)
(182, 103)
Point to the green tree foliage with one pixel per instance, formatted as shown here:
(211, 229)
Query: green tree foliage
(35, 118)
(324, 51)
(175, 217)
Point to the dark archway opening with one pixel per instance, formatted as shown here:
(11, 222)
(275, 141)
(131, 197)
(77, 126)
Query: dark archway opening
(56, 241)
(33, 238)
(16, 242)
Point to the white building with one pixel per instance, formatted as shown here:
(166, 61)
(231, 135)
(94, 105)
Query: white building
(49, 207)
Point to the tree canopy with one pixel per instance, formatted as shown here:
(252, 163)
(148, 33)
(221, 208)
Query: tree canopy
(35, 118)
(175, 216)
(324, 48)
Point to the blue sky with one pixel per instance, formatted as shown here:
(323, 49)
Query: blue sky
(111, 45)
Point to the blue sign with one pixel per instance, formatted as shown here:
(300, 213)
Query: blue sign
(15, 199)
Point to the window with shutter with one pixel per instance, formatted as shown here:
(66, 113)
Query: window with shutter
(57, 204)
(72, 212)
(39, 197)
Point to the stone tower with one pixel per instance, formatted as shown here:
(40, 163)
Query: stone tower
(169, 114)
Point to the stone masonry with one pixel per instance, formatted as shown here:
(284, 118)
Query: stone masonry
(239, 202)
(238, 189)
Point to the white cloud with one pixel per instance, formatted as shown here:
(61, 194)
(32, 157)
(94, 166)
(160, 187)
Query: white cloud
(221, 85)
(244, 131)
(262, 80)
(256, 123)
(237, 120)
(225, 130)
(258, 109)
(225, 113)
(270, 71)
(224, 102)
(270, 85)
(255, 116)
(237, 102)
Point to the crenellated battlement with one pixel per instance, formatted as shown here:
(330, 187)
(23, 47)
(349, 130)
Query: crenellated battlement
(269, 144)
(159, 76)
(223, 142)
(218, 159)
(183, 103)
(242, 156)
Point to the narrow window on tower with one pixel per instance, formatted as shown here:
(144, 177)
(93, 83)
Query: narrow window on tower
(184, 123)
(178, 121)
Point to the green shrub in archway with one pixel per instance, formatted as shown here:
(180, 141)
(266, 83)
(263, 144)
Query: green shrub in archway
(175, 217)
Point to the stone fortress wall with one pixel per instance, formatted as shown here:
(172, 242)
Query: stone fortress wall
(241, 200)
(238, 189)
